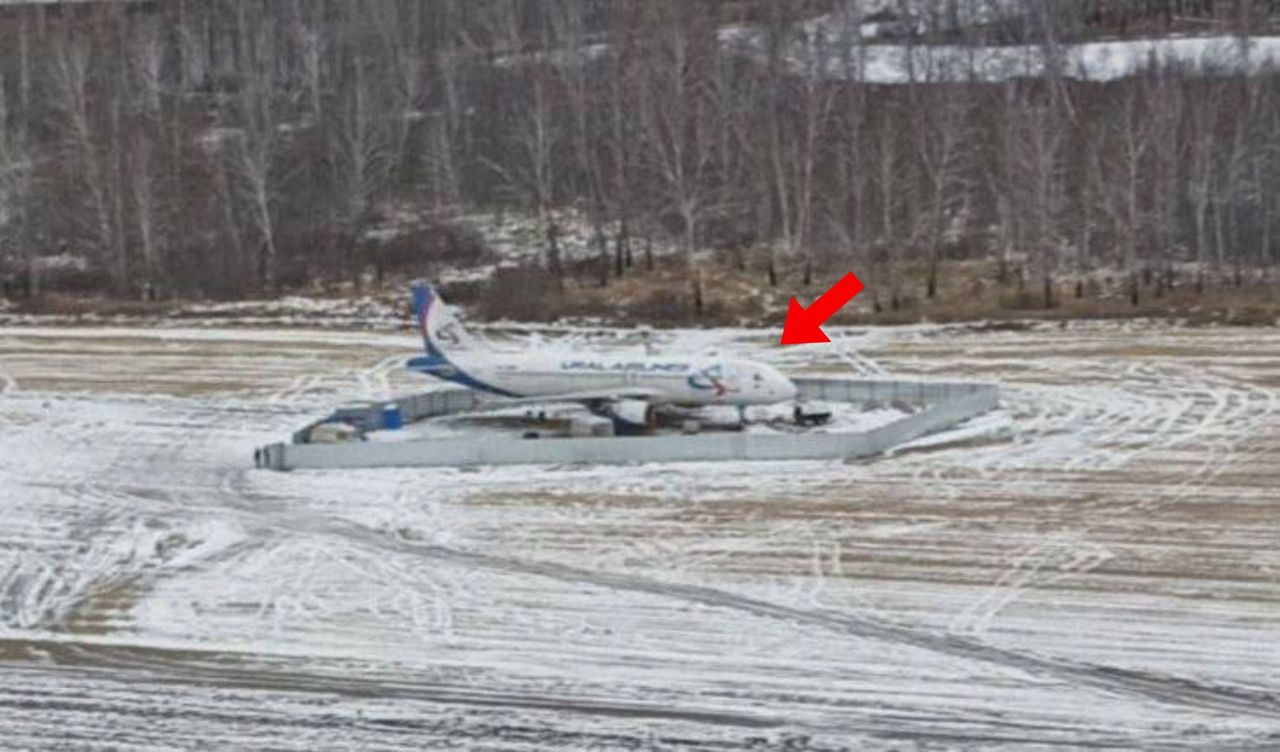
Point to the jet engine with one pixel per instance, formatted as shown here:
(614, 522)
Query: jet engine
(632, 414)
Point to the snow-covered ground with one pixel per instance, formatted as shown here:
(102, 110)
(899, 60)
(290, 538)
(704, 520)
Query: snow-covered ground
(1094, 565)
(383, 312)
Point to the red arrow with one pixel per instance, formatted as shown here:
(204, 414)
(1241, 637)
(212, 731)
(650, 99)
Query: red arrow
(803, 324)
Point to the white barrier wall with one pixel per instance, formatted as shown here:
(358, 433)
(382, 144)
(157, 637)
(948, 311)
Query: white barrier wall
(949, 403)
(440, 402)
(882, 390)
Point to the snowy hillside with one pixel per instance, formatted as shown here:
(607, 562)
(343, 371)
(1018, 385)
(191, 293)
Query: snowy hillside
(827, 48)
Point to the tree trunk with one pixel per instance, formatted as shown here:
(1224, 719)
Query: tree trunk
(697, 293)
(554, 264)
(33, 278)
(267, 268)
(602, 249)
(621, 254)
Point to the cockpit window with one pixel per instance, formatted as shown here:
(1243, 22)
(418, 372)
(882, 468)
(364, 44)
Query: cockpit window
(758, 378)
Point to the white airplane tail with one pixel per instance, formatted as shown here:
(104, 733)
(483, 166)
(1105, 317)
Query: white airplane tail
(441, 332)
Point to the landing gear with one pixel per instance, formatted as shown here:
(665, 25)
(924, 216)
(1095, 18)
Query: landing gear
(742, 417)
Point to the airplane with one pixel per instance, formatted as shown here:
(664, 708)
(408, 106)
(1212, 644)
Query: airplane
(628, 390)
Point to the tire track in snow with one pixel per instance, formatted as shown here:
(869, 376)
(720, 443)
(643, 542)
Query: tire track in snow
(120, 532)
(126, 674)
(1152, 686)
(154, 665)
(1158, 687)
(1161, 407)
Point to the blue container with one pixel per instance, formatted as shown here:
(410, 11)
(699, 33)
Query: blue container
(392, 418)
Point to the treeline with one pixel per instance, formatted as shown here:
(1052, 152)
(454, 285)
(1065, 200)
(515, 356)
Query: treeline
(233, 147)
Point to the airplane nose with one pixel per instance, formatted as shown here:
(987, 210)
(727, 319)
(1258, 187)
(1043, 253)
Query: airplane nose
(787, 388)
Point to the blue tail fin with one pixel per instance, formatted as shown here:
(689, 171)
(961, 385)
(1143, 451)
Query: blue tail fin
(441, 332)
(424, 296)
(438, 326)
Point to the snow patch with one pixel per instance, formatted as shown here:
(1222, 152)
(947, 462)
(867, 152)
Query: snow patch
(826, 50)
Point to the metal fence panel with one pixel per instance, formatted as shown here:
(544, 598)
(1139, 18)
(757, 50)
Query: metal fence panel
(948, 403)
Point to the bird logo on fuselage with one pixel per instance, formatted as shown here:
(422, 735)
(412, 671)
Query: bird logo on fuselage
(710, 378)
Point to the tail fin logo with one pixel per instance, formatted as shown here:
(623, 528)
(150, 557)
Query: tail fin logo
(440, 330)
(448, 334)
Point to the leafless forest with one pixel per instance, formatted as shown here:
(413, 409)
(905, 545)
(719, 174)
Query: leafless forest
(231, 148)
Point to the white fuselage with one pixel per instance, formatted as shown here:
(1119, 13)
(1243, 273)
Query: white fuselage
(670, 380)
(451, 353)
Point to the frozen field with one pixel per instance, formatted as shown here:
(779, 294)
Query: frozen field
(1096, 565)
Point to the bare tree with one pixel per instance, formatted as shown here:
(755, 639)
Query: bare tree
(73, 58)
(731, 99)
(622, 137)
(144, 151)
(400, 31)
(846, 205)
(573, 61)
(15, 178)
(531, 127)
(1040, 134)
(1201, 148)
(312, 41)
(252, 135)
(813, 100)
(359, 151)
(940, 140)
(1130, 140)
(1166, 104)
(677, 116)
(888, 183)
